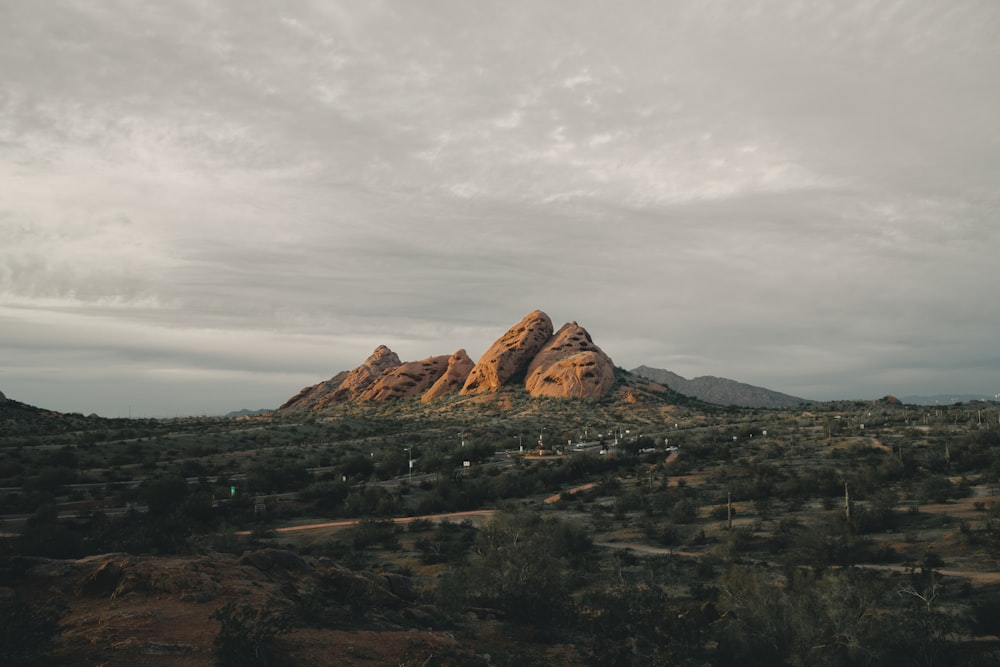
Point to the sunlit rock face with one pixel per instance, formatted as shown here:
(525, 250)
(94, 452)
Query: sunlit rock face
(564, 364)
(570, 365)
(508, 358)
(453, 379)
(408, 379)
(346, 385)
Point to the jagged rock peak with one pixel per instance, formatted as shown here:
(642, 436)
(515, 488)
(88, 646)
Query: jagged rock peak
(345, 385)
(3, 399)
(358, 380)
(405, 380)
(454, 377)
(565, 365)
(570, 365)
(510, 354)
(380, 357)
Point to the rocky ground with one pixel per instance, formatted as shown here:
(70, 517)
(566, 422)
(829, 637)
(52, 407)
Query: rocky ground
(119, 609)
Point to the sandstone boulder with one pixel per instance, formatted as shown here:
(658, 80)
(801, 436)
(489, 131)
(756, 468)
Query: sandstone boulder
(408, 379)
(454, 377)
(570, 365)
(509, 356)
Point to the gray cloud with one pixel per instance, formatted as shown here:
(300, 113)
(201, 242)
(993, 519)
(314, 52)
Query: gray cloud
(205, 198)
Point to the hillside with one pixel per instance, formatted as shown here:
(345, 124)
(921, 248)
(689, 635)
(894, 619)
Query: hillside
(720, 391)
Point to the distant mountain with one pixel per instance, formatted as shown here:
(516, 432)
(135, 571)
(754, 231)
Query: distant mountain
(946, 399)
(248, 413)
(720, 390)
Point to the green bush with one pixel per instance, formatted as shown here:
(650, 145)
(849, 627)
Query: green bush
(26, 634)
(247, 633)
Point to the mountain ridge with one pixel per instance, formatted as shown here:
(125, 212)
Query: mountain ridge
(720, 391)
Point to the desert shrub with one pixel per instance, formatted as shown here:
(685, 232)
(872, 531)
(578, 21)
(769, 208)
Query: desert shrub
(247, 633)
(44, 535)
(935, 489)
(522, 568)
(683, 511)
(986, 615)
(637, 622)
(164, 494)
(26, 633)
(794, 618)
(420, 526)
(720, 512)
(374, 532)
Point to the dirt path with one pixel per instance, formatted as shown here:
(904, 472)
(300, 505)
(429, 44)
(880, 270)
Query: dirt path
(556, 497)
(343, 523)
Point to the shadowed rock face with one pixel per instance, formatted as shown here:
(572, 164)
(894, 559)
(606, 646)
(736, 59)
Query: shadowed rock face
(308, 397)
(454, 377)
(408, 379)
(510, 355)
(570, 366)
(3, 399)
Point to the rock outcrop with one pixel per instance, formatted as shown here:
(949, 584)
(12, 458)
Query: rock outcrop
(3, 399)
(308, 397)
(509, 356)
(565, 365)
(357, 381)
(409, 379)
(453, 379)
(570, 365)
(345, 386)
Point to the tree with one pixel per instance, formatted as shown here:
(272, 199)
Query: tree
(165, 494)
(520, 565)
(247, 633)
(26, 633)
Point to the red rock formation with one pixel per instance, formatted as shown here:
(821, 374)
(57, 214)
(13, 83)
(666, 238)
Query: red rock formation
(309, 396)
(345, 386)
(459, 367)
(565, 365)
(510, 355)
(408, 379)
(357, 381)
(570, 366)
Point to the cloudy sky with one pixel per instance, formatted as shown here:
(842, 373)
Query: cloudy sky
(207, 205)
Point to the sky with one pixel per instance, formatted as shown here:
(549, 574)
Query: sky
(208, 205)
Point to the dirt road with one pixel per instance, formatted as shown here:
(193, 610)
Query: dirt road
(403, 519)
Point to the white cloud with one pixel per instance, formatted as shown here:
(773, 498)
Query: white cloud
(820, 182)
